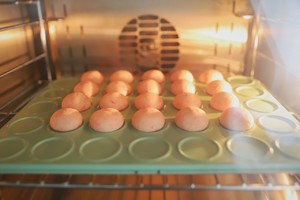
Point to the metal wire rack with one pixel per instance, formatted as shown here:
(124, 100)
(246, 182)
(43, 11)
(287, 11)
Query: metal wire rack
(237, 182)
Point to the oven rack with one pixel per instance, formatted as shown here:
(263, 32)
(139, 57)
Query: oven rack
(236, 182)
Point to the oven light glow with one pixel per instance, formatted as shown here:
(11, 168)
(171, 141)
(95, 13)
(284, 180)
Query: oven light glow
(10, 35)
(256, 41)
(223, 34)
(236, 35)
(247, 17)
(4, 36)
(52, 29)
(290, 194)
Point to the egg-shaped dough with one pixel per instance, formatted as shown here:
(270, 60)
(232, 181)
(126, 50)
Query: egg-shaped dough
(186, 99)
(148, 99)
(218, 86)
(149, 86)
(223, 100)
(148, 120)
(191, 118)
(182, 74)
(154, 74)
(210, 75)
(122, 75)
(106, 120)
(93, 75)
(236, 119)
(66, 119)
(119, 86)
(76, 100)
(114, 100)
(182, 86)
(86, 87)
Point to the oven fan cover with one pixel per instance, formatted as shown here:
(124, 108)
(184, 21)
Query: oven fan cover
(149, 42)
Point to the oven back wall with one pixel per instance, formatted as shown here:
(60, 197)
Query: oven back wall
(137, 35)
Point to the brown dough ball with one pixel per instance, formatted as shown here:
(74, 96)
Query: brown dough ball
(154, 74)
(182, 86)
(114, 100)
(191, 118)
(122, 75)
(218, 86)
(148, 99)
(106, 120)
(182, 74)
(223, 100)
(148, 120)
(236, 119)
(149, 86)
(119, 86)
(186, 99)
(86, 87)
(93, 75)
(66, 119)
(76, 100)
(210, 75)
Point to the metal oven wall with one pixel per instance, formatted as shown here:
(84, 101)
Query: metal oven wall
(137, 35)
(22, 60)
(277, 49)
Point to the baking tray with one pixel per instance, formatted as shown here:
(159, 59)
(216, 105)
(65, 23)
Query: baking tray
(28, 145)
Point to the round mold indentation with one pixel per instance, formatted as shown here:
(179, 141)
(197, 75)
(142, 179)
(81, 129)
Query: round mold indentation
(249, 148)
(55, 93)
(100, 149)
(11, 147)
(149, 149)
(248, 91)
(43, 107)
(261, 105)
(199, 149)
(25, 125)
(289, 146)
(277, 124)
(52, 149)
(241, 80)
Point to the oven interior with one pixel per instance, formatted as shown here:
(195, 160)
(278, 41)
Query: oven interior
(47, 40)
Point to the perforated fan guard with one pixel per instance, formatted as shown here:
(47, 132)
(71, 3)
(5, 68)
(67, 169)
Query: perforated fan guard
(149, 41)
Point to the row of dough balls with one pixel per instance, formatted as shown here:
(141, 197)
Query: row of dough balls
(141, 123)
(108, 118)
(192, 118)
(233, 117)
(182, 81)
(221, 99)
(189, 118)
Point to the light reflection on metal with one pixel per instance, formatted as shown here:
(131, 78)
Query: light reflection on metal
(247, 17)
(290, 194)
(9, 35)
(43, 39)
(225, 34)
(52, 29)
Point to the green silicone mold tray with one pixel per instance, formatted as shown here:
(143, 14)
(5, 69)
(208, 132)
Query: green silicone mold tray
(29, 145)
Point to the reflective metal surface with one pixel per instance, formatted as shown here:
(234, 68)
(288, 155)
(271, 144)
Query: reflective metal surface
(161, 187)
(210, 34)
